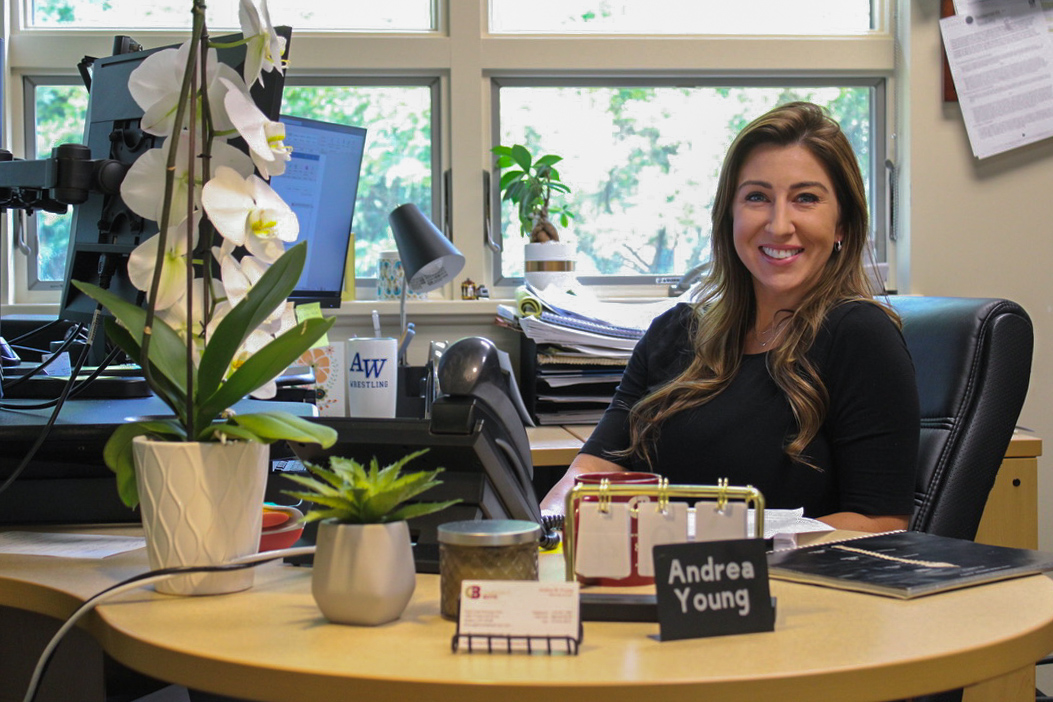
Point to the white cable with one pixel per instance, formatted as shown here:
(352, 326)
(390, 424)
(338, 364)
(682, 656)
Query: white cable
(137, 582)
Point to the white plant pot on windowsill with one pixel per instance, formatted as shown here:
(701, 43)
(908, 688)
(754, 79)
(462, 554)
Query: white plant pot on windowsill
(549, 263)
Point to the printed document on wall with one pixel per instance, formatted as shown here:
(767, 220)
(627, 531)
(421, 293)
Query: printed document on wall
(1001, 57)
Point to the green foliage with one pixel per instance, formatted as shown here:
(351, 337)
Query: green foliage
(529, 184)
(205, 416)
(352, 494)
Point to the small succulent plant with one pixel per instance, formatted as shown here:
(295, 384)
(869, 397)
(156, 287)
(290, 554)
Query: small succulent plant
(350, 493)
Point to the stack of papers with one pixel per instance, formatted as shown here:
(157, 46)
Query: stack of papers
(580, 347)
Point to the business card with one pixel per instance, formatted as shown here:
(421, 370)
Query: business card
(525, 609)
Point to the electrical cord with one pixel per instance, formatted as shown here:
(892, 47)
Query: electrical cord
(43, 365)
(551, 526)
(46, 431)
(137, 581)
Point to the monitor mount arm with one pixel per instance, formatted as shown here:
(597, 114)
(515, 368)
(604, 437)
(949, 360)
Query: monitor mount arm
(52, 184)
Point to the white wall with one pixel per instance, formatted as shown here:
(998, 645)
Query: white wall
(978, 228)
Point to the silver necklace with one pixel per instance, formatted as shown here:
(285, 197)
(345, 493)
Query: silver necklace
(769, 335)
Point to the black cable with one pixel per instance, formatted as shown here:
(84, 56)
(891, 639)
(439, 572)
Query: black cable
(551, 526)
(250, 561)
(46, 431)
(45, 363)
(37, 330)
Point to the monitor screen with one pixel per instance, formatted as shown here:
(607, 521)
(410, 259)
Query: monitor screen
(320, 183)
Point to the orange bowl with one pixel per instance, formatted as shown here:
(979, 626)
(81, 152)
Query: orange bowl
(281, 527)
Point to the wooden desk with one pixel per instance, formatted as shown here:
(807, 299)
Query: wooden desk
(271, 643)
(1010, 518)
(553, 446)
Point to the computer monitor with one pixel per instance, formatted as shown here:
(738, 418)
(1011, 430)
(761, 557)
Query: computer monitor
(320, 183)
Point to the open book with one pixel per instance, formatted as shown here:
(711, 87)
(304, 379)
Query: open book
(905, 564)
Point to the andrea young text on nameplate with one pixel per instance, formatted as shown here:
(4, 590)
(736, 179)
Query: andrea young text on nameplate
(712, 588)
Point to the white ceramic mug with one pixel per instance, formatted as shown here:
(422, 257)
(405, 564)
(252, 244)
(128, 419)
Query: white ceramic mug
(372, 377)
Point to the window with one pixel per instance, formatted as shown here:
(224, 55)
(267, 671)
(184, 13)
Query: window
(682, 16)
(436, 83)
(643, 160)
(356, 15)
(398, 165)
(56, 116)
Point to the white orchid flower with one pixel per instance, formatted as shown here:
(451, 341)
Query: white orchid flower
(156, 82)
(266, 138)
(143, 260)
(239, 276)
(145, 181)
(264, 48)
(249, 213)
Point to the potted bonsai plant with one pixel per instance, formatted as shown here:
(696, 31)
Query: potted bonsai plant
(530, 184)
(217, 325)
(363, 567)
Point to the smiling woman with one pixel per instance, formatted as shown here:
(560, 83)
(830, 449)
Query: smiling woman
(785, 228)
(785, 374)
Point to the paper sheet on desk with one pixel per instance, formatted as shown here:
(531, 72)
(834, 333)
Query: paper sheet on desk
(786, 521)
(63, 545)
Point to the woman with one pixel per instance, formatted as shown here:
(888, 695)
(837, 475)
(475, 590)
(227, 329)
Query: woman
(785, 374)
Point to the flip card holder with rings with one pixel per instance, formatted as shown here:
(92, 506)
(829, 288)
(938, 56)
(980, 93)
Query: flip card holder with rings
(598, 542)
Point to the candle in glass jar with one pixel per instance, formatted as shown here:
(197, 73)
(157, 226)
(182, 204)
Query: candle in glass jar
(486, 549)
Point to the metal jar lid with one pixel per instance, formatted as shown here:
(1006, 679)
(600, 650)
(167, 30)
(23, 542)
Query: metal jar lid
(489, 532)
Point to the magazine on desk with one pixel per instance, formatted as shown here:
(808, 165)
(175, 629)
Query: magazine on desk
(905, 564)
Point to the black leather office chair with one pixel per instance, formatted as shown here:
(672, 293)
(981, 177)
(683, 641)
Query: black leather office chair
(973, 363)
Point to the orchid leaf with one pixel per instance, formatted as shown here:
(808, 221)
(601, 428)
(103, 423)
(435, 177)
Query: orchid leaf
(269, 292)
(275, 426)
(170, 392)
(265, 365)
(167, 349)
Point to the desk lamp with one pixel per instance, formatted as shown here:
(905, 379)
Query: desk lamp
(429, 259)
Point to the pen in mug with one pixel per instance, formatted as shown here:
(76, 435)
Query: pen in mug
(376, 324)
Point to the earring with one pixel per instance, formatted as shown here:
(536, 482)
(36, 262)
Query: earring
(837, 246)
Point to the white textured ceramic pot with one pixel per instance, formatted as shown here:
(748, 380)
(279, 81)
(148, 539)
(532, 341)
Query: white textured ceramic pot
(549, 263)
(363, 573)
(201, 504)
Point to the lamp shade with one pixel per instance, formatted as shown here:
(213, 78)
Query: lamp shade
(429, 259)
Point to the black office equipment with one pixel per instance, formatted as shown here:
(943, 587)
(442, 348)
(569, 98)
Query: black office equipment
(475, 433)
(67, 481)
(972, 359)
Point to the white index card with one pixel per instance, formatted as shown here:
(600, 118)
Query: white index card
(656, 526)
(602, 549)
(712, 524)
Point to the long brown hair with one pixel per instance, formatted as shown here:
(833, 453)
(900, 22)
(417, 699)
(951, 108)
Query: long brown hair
(725, 306)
